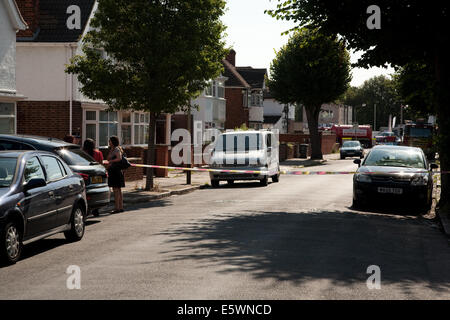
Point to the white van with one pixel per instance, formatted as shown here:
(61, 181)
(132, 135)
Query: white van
(247, 151)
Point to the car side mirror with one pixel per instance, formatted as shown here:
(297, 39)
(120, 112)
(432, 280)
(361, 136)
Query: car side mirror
(358, 162)
(34, 184)
(434, 166)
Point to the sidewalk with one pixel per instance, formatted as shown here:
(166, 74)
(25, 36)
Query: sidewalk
(300, 163)
(175, 183)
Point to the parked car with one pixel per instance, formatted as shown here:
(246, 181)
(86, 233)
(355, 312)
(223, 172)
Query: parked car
(352, 149)
(394, 173)
(386, 137)
(39, 196)
(94, 174)
(245, 150)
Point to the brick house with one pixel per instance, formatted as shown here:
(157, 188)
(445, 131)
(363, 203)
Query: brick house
(244, 94)
(11, 21)
(54, 106)
(54, 97)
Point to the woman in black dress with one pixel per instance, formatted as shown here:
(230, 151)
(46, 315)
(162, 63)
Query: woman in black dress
(116, 179)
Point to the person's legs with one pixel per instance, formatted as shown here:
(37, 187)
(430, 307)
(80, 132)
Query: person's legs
(117, 195)
(121, 198)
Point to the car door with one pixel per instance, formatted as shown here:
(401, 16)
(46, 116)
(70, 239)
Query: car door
(38, 204)
(60, 184)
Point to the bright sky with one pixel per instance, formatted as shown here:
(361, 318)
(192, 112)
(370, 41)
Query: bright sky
(255, 35)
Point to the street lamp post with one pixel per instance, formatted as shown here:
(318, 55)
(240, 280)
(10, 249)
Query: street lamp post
(375, 117)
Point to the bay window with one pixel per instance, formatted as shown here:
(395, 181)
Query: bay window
(132, 128)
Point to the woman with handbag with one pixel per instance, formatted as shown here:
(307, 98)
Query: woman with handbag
(116, 179)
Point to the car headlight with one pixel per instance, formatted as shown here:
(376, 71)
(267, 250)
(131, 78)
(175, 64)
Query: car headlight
(363, 178)
(420, 181)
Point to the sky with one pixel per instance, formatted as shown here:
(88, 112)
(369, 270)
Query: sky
(256, 36)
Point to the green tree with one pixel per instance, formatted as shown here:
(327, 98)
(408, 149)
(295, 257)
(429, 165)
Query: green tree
(158, 56)
(311, 69)
(380, 91)
(416, 86)
(411, 31)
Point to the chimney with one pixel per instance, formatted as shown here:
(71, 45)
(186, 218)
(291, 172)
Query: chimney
(30, 13)
(231, 58)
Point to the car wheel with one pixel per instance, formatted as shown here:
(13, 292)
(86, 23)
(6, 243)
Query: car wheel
(276, 178)
(78, 226)
(342, 157)
(11, 241)
(264, 182)
(215, 183)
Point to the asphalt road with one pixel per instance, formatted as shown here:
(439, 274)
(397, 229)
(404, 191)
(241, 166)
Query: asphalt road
(297, 239)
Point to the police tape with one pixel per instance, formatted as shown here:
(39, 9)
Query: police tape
(297, 173)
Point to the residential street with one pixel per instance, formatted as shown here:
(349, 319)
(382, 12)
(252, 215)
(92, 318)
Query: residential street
(297, 239)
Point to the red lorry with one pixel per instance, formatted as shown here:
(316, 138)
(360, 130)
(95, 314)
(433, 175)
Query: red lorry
(348, 132)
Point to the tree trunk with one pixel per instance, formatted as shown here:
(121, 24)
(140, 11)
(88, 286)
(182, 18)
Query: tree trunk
(151, 153)
(443, 120)
(312, 113)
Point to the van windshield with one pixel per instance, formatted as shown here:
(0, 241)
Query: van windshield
(239, 142)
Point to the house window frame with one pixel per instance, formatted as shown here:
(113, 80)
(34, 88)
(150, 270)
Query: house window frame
(144, 123)
(119, 122)
(14, 116)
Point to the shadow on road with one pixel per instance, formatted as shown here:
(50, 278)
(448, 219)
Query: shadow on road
(41, 246)
(334, 245)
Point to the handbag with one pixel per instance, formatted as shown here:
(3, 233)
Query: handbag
(123, 164)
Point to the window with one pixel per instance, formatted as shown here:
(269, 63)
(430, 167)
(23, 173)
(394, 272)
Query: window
(7, 171)
(221, 89)
(209, 90)
(130, 127)
(52, 168)
(12, 145)
(141, 128)
(75, 157)
(7, 118)
(33, 170)
(108, 125)
(126, 128)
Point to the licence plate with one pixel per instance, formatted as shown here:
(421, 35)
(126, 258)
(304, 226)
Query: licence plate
(390, 190)
(96, 179)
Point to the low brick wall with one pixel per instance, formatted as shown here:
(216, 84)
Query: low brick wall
(328, 142)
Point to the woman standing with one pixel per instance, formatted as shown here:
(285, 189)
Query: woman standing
(89, 148)
(116, 180)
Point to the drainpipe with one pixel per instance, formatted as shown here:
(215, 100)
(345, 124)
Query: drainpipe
(71, 96)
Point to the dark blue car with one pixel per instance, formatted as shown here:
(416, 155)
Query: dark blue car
(93, 173)
(39, 197)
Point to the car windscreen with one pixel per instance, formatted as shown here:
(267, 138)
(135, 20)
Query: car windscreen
(75, 157)
(395, 158)
(239, 142)
(351, 144)
(7, 171)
